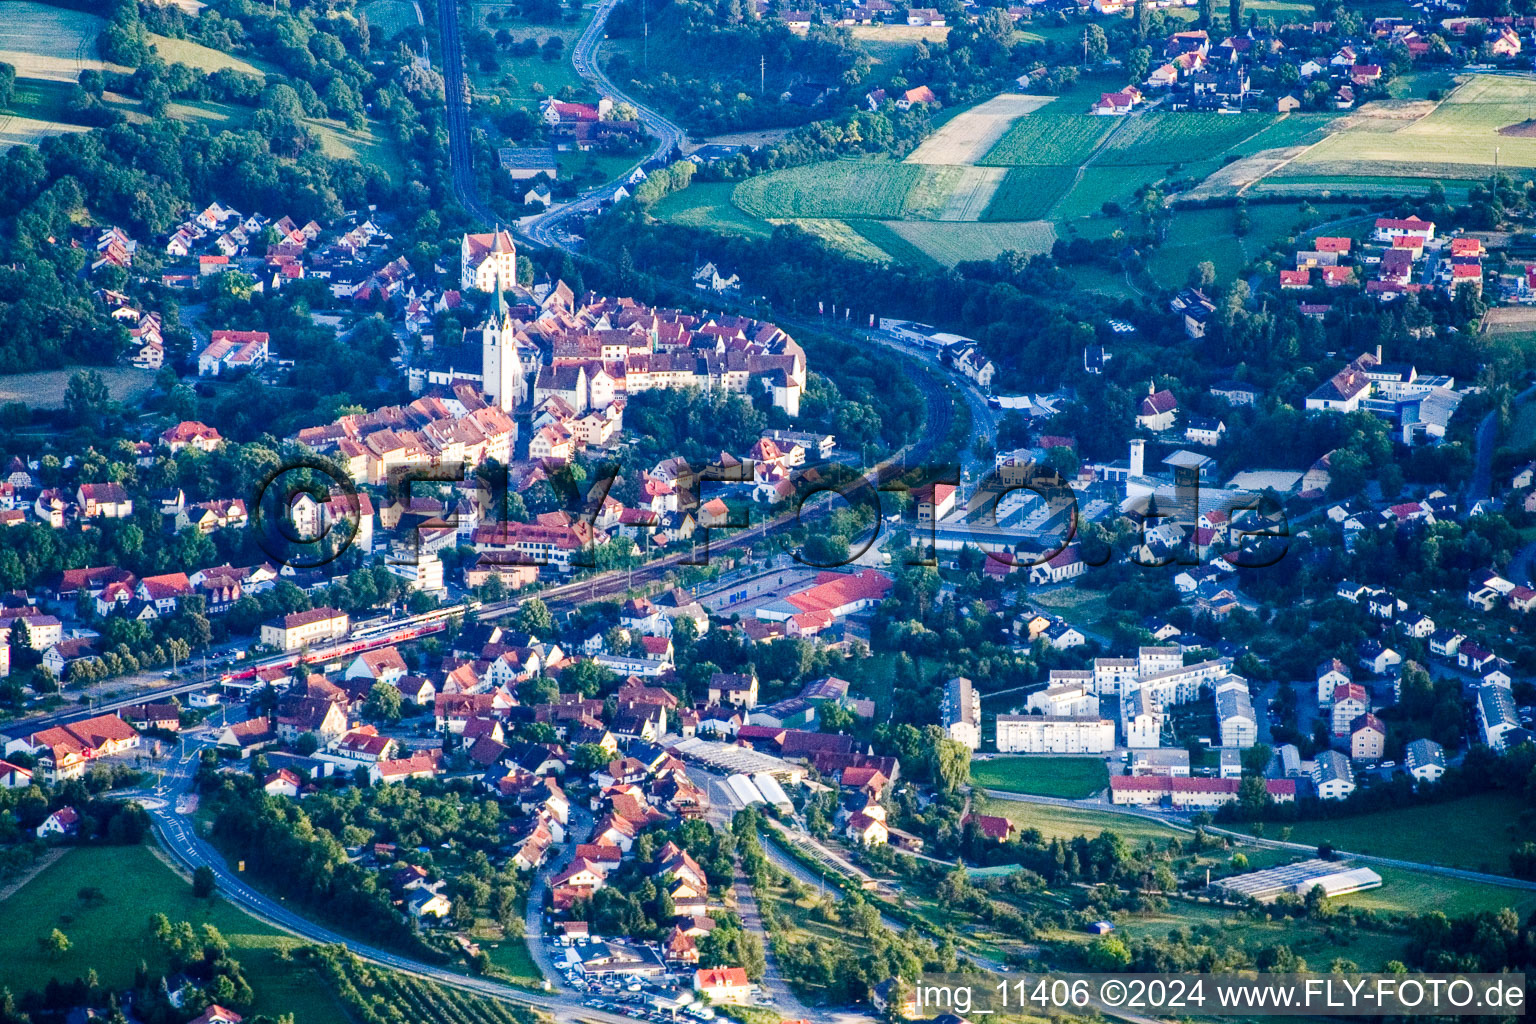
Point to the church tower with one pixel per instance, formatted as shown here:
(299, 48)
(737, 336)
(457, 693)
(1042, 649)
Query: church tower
(499, 367)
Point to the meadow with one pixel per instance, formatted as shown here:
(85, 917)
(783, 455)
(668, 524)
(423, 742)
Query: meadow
(1476, 833)
(204, 58)
(1070, 777)
(111, 934)
(950, 243)
(709, 205)
(1054, 822)
(1458, 137)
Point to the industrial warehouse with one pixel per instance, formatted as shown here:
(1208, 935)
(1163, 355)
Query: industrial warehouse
(1335, 878)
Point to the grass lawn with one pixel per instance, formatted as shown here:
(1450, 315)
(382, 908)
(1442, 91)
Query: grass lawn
(709, 205)
(1476, 832)
(1070, 777)
(528, 80)
(112, 936)
(204, 58)
(1417, 892)
(593, 168)
(1078, 605)
(511, 955)
(1069, 822)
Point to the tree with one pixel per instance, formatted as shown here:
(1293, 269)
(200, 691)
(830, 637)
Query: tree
(949, 762)
(1138, 62)
(306, 744)
(55, 944)
(534, 618)
(203, 882)
(1206, 14)
(1109, 953)
(86, 397)
(7, 83)
(1235, 12)
(384, 702)
(1096, 44)
(1143, 20)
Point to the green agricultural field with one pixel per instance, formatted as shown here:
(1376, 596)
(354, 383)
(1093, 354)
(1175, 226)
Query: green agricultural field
(956, 243)
(1461, 132)
(204, 58)
(1050, 139)
(1103, 184)
(1069, 777)
(844, 188)
(43, 41)
(1476, 832)
(708, 205)
(44, 389)
(1030, 193)
(1162, 138)
(388, 18)
(111, 935)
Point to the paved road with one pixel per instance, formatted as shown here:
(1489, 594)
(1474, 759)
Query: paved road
(579, 830)
(774, 984)
(1244, 839)
(550, 229)
(1480, 486)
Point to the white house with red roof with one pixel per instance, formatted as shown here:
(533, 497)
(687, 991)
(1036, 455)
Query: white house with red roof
(61, 822)
(723, 985)
(191, 434)
(384, 665)
(1066, 564)
(1157, 410)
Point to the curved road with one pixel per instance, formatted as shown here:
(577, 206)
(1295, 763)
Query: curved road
(544, 230)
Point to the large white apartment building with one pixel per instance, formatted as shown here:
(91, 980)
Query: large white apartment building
(1070, 692)
(1055, 734)
(961, 713)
